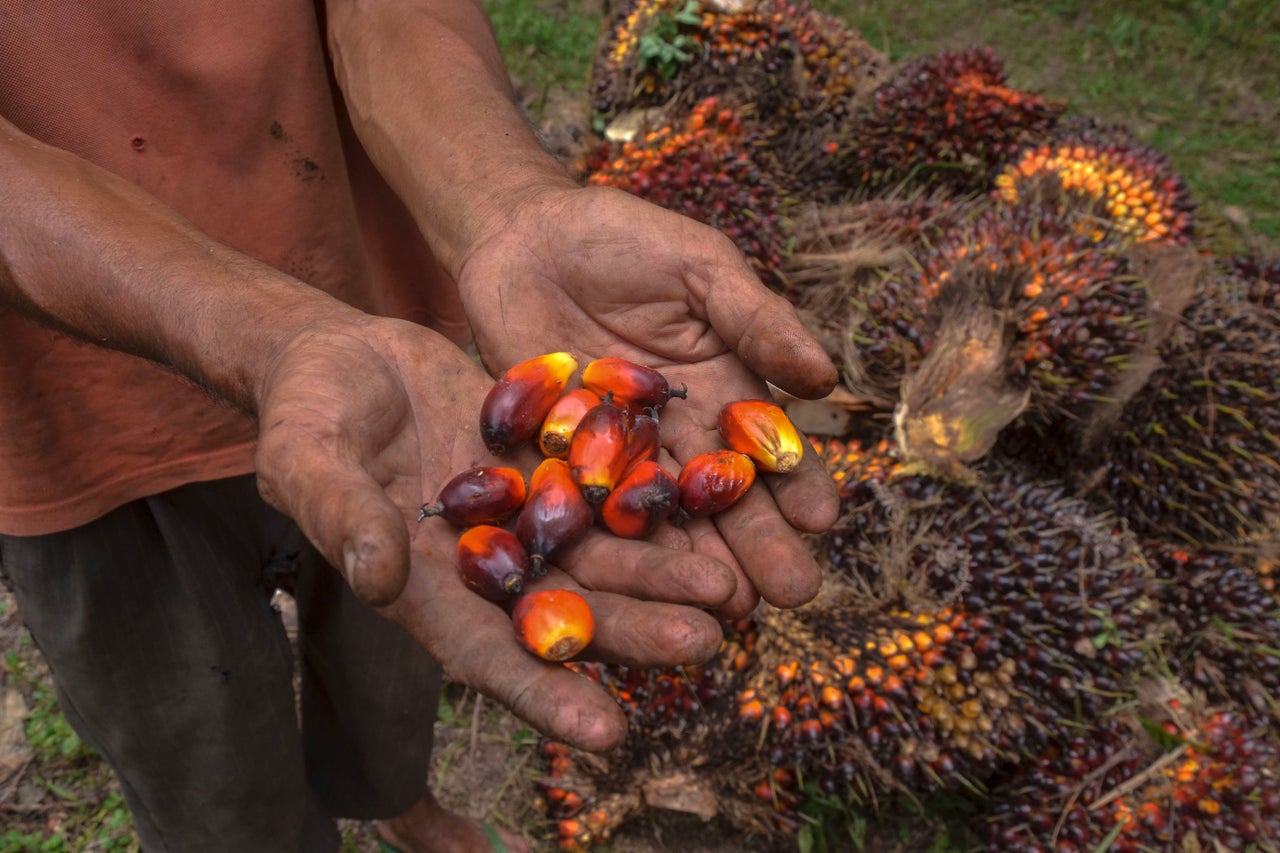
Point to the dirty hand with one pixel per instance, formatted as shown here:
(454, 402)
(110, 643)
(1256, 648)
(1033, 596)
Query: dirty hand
(362, 421)
(597, 272)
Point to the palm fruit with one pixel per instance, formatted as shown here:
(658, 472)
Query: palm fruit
(1197, 780)
(645, 498)
(562, 420)
(713, 481)
(554, 515)
(632, 385)
(515, 407)
(761, 430)
(484, 494)
(707, 169)
(946, 119)
(598, 452)
(644, 438)
(1102, 181)
(492, 562)
(1227, 623)
(1195, 455)
(554, 624)
(1261, 278)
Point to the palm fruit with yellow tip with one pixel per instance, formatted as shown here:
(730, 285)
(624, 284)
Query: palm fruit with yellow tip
(514, 408)
(1195, 455)
(948, 118)
(1102, 182)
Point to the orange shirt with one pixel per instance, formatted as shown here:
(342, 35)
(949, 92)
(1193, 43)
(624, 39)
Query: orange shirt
(226, 112)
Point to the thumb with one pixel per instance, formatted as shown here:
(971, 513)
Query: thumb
(346, 515)
(766, 332)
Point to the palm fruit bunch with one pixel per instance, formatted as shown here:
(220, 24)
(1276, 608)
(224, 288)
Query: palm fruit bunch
(1261, 278)
(789, 60)
(1194, 780)
(1058, 590)
(706, 170)
(1195, 454)
(1103, 181)
(601, 444)
(1226, 620)
(949, 119)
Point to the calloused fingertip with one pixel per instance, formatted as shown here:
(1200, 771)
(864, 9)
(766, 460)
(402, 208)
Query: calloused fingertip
(376, 564)
(596, 727)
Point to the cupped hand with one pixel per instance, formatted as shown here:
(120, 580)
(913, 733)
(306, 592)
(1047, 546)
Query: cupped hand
(595, 271)
(361, 421)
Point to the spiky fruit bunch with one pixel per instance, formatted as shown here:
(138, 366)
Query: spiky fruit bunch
(1065, 595)
(1103, 181)
(780, 55)
(1196, 454)
(948, 118)
(1227, 623)
(1205, 781)
(706, 170)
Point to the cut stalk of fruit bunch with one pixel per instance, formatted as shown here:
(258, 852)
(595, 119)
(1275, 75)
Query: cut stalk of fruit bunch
(554, 624)
(485, 494)
(712, 482)
(763, 432)
(493, 562)
(516, 406)
(632, 385)
(554, 515)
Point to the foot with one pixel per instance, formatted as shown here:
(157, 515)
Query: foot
(428, 827)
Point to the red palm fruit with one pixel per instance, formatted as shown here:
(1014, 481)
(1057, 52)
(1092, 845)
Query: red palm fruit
(632, 385)
(598, 452)
(762, 431)
(563, 419)
(485, 494)
(493, 562)
(554, 515)
(515, 407)
(554, 624)
(714, 481)
(645, 498)
(644, 440)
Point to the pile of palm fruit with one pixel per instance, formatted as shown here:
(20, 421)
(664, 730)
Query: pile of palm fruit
(1052, 590)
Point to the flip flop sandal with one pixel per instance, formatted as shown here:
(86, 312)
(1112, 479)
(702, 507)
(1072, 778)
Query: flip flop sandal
(495, 841)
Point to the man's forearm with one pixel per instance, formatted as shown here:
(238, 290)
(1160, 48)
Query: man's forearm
(432, 102)
(92, 254)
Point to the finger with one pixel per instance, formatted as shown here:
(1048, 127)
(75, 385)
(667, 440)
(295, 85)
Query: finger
(707, 540)
(807, 497)
(777, 560)
(341, 509)
(486, 656)
(763, 328)
(651, 569)
(649, 633)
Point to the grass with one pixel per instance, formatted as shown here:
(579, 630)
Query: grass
(1198, 80)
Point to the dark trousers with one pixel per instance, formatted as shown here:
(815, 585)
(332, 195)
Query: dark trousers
(169, 659)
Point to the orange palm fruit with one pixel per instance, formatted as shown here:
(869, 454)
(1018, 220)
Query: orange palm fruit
(492, 562)
(485, 494)
(598, 452)
(563, 419)
(554, 515)
(762, 431)
(554, 624)
(632, 385)
(517, 404)
(645, 498)
(644, 439)
(714, 481)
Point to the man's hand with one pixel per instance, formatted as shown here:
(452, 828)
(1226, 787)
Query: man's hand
(361, 422)
(599, 272)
